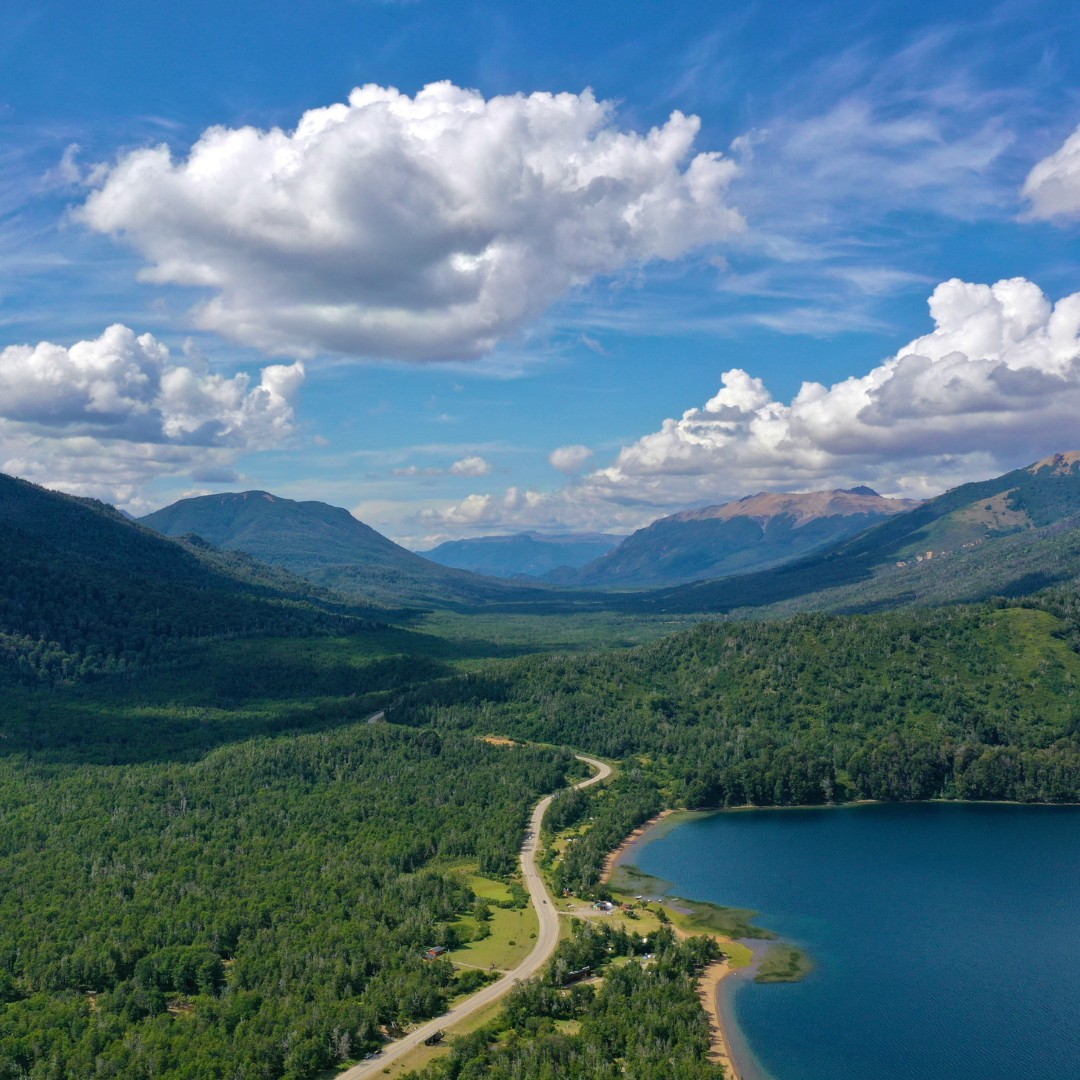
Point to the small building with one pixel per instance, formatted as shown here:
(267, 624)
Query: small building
(434, 952)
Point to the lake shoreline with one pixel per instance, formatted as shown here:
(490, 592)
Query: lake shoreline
(637, 834)
(728, 1035)
(709, 983)
(709, 995)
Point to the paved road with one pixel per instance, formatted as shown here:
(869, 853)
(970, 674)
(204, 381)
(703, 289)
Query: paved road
(547, 938)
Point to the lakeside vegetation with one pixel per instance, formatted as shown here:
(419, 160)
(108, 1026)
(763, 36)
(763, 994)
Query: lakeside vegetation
(642, 1020)
(783, 963)
(978, 702)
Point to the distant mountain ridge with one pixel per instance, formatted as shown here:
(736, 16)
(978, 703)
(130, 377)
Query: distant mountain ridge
(751, 533)
(326, 545)
(527, 553)
(84, 590)
(1011, 535)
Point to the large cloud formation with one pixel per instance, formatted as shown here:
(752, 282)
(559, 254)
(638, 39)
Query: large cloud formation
(1053, 185)
(994, 385)
(103, 417)
(416, 228)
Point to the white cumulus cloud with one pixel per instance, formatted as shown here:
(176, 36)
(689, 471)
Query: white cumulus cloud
(569, 459)
(474, 465)
(994, 385)
(1053, 185)
(103, 417)
(417, 228)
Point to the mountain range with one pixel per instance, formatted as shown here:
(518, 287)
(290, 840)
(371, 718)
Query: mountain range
(531, 554)
(84, 590)
(327, 545)
(752, 533)
(1008, 536)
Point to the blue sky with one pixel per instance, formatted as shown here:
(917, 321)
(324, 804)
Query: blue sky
(412, 333)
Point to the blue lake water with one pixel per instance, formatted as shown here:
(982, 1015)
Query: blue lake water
(946, 937)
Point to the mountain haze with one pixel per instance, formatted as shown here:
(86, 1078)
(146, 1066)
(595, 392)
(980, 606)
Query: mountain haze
(750, 534)
(530, 553)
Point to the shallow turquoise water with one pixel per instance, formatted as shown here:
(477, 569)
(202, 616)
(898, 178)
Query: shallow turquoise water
(946, 937)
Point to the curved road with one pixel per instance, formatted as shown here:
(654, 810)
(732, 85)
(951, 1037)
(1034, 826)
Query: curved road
(547, 938)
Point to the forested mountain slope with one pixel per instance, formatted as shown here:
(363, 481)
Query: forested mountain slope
(974, 528)
(749, 534)
(83, 590)
(327, 545)
(974, 702)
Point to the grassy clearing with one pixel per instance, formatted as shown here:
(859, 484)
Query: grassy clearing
(520, 633)
(738, 954)
(489, 889)
(783, 963)
(513, 934)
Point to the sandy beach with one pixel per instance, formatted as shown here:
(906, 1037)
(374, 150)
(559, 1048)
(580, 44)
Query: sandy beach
(708, 991)
(637, 834)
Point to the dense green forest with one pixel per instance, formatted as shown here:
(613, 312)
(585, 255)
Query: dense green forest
(643, 1021)
(84, 591)
(217, 869)
(978, 702)
(258, 912)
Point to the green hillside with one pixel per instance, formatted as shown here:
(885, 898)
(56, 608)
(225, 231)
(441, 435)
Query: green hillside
(327, 545)
(84, 590)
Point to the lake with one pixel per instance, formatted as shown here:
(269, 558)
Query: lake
(945, 937)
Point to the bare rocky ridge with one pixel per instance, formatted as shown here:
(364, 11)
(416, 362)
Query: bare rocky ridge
(752, 533)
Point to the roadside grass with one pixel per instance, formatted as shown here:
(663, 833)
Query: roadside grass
(421, 1055)
(489, 889)
(513, 934)
(495, 890)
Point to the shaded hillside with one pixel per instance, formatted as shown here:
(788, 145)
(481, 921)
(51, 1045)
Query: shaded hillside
(84, 590)
(753, 533)
(327, 545)
(531, 554)
(960, 545)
